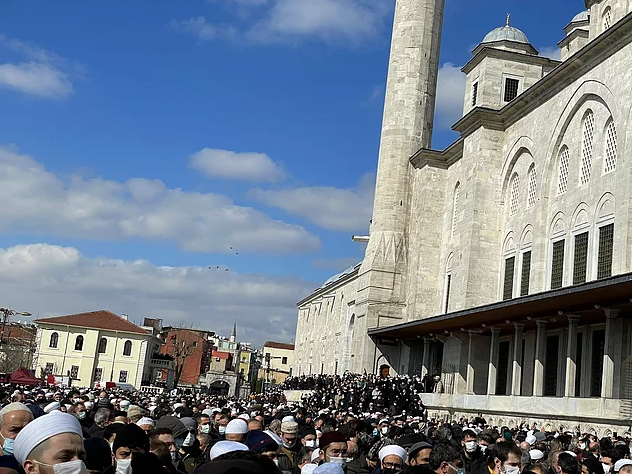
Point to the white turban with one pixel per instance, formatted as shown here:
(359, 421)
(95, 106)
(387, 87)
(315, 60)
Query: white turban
(41, 429)
(145, 421)
(223, 447)
(392, 450)
(52, 406)
(14, 407)
(536, 454)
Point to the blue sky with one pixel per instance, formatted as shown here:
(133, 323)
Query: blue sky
(143, 142)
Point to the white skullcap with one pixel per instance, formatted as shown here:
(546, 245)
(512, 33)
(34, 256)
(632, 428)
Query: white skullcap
(145, 421)
(49, 394)
(288, 418)
(392, 450)
(88, 404)
(124, 403)
(216, 410)
(536, 454)
(315, 454)
(67, 406)
(620, 463)
(208, 411)
(14, 407)
(223, 447)
(42, 429)
(113, 400)
(530, 439)
(52, 406)
(274, 435)
(308, 468)
(237, 426)
(244, 416)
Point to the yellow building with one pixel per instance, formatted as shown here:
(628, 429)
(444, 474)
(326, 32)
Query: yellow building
(94, 348)
(277, 363)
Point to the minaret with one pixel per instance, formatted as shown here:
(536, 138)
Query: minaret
(233, 333)
(407, 126)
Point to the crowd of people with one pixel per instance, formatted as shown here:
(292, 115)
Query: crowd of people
(352, 424)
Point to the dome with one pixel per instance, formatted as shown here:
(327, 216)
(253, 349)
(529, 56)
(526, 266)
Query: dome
(507, 33)
(583, 16)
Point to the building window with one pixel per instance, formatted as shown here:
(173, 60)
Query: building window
(557, 267)
(49, 368)
(74, 370)
(54, 339)
(586, 150)
(79, 343)
(509, 270)
(596, 362)
(564, 162)
(284, 360)
(447, 292)
(454, 213)
(127, 348)
(103, 343)
(474, 94)
(123, 376)
(607, 18)
(448, 272)
(511, 88)
(503, 367)
(526, 273)
(98, 375)
(532, 186)
(606, 242)
(515, 193)
(610, 148)
(580, 260)
(551, 366)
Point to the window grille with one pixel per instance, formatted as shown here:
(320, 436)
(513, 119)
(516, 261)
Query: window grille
(454, 218)
(586, 153)
(564, 161)
(509, 271)
(79, 343)
(532, 187)
(74, 370)
(98, 375)
(580, 262)
(123, 376)
(54, 339)
(610, 148)
(49, 368)
(526, 273)
(511, 88)
(103, 343)
(474, 94)
(557, 267)
(515, 192)
(606, 242)
(607, 18)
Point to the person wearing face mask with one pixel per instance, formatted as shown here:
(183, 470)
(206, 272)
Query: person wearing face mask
(52, 444)
(13, 418)
(445, 458)
(384, 428)
(309, 438)
(130, 441)
(504, 458)
(392, 459)
(333, 448)
(288, 458)
(471, 452)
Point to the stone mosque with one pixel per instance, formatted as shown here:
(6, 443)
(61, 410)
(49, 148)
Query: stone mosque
(502, 263)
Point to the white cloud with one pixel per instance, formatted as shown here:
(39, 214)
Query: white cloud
(46, 75)
(36, 201)
(295, 20)
(552, 52)
(328, 207)
(449, 96)
(249, 166)
(52, 280)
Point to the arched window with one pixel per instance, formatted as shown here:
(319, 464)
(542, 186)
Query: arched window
(79, 343)
(53, 342)
(564, 162)
(515, 193)
(127, 348)
(607, 18)
(586, 151)
(532, 186)
(103, 343)
(610, 147)
(454, 214)
(448, 272)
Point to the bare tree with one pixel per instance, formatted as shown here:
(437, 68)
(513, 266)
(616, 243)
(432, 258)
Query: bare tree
(182, 350)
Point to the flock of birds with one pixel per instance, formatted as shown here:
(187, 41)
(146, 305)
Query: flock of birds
(218, 267)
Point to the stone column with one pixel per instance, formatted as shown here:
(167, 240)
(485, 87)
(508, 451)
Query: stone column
(517, 359)
(428, 341)
(470, 369)
(493, 360)
(607, 379)
(571, 356)
(540, 348)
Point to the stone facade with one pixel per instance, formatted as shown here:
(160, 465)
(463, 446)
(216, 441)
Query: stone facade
(536, 194)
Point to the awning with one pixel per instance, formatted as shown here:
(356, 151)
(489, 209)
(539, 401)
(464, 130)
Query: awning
(585, 300)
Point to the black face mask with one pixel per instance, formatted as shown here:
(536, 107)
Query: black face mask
(390, 471)
(103, 401)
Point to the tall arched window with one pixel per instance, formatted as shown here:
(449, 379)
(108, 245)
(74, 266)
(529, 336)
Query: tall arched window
(562, 178)
(127, 348)
(54, 339)
(586, 151)
(515, 193)
(103, 343)
(79, 343)
(454, 214)
(607, 18)
(610, 147)
(532, 186)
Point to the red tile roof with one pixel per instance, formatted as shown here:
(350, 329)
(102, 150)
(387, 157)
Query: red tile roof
(279, 345)
(95, 320)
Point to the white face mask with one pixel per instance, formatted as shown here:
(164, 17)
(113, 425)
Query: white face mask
(511, 469)
(341, 461)
(204, 428)
(483, 448)
(69, 467)
(606, 468)
(471, 446)
(310, 444)
(124, 466)
(189, 440)
(385, 430)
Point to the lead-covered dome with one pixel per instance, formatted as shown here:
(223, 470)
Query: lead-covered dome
(582, 16)
(506, 33)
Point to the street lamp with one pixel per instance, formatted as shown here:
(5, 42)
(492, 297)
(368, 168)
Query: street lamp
(5, 316)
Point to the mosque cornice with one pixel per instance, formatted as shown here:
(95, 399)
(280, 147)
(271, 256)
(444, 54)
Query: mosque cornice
(441, 159)
(482, 52)
(550, 85)
(579, 32)
(326, 291)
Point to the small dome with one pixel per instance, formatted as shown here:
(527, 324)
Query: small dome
(583, 16)
(507, 33)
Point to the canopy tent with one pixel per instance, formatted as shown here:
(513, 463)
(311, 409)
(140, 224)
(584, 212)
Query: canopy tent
(23, 376)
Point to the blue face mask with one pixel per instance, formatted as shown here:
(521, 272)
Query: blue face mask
(7, 447)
